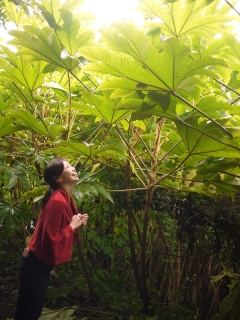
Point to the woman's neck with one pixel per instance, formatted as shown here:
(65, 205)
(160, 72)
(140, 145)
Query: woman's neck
(69, 189)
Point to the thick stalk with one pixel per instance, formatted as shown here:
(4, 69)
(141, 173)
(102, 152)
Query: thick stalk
(85, 266)
(178, 270)
(144, 242)
(149, 195)
(130, 234)
(68, 111)
(232, 7)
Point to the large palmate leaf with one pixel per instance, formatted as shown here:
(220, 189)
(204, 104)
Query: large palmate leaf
(174, 145)
(118, 65)
(232, 51)
(126, 38)
(21, 93)
(102, 106)
(142, 67)
(51, 10)
(70, 36)
(90, 188)
(179, 19)
(206, 139)
(30, 122)
(212, 108)
(223, 173)
(15, 15)
(218, 165)
(158, 104)
(123, 87)
(87, 151)
(6, 102)
(9, 217)
(8, 126)
(65, 25)
(175, 60)
(22, 72)
(163, 105)
(42, 44)
(42, 126)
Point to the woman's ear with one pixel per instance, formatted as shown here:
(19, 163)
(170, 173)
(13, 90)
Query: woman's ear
(58, 179)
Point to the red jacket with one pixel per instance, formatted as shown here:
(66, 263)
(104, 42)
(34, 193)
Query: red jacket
(53, 236)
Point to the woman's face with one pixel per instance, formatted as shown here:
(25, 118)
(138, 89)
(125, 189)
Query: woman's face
(69, 174)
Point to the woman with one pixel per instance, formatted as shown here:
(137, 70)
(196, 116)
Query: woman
(52, 241)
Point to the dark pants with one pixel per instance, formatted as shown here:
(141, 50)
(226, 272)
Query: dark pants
(34, 278)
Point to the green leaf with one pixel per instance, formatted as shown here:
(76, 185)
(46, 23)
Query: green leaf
(36, 194)
(16, 16)
(103, 191)
(7, 126)
(87, 150)
(101, 106)
(53, 129)
(42, 44)
(198, 67)
(63, 93)
(21, 93)
(128, 104)
(232, 51)
(59, 314)
(9, 217)
(142, 67)
(10, 179)
(21, 72)
(213, 108)
(30, 122)
(124, 87)
(179, 19)
(152, 106)
(206, 139)
(70, 36)
(48, 16)
(118, 65)
(161, 98)
(229, 309)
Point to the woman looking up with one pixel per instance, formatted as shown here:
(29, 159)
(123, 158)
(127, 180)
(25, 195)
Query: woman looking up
(52, 240)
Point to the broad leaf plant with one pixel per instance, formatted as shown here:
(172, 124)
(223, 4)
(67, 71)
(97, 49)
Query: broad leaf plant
(159, 101)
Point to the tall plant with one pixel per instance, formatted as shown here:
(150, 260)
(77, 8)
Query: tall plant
(173, 72)
(160, 102)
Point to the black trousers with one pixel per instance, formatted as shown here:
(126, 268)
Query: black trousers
(34, 279)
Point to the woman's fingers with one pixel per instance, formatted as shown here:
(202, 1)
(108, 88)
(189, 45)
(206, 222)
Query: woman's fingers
(83, 218)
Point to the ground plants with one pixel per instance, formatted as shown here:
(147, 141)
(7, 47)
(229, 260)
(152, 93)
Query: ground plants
(150, 117)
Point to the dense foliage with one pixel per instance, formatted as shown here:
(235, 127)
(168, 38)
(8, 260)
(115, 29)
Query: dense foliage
(150, 117)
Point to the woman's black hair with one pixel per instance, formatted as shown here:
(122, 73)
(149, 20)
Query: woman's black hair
(52, 171)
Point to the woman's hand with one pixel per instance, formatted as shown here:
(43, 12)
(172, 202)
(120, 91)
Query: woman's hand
(84, 218)
(79, 220)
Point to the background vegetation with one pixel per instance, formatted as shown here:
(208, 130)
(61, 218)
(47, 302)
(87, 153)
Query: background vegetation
(149, 115)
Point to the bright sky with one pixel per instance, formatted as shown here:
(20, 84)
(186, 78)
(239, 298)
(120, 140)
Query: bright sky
(106, 12)
(109, 11)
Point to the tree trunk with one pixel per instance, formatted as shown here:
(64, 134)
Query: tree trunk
(143, 294)
(84, 265)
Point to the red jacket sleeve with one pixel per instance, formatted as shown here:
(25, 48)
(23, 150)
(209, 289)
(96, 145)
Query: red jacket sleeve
(57, 236)
(54, 237)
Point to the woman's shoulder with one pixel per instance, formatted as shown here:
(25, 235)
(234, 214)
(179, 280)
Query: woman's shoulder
(60, 195)
(58, 201)
(58, 198)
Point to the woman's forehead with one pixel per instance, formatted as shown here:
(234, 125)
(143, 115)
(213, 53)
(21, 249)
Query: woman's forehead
(65, 163)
